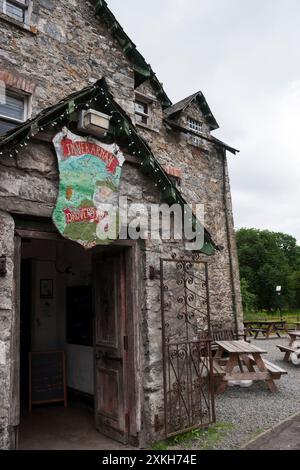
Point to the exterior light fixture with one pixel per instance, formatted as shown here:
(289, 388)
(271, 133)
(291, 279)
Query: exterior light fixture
(278, 292)
(93, 122)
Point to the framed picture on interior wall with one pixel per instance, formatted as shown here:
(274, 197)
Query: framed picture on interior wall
(46, 288)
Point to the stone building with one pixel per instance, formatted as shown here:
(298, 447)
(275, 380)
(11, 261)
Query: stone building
(58, 59)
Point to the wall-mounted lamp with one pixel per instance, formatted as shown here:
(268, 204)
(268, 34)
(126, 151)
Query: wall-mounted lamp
(94, 123)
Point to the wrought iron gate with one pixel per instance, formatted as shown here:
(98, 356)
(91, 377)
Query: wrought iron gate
(186, 340)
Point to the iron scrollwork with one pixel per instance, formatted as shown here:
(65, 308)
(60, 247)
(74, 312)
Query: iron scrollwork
(187, 359)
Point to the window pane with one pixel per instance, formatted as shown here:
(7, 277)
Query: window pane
(194, 125)
(14, 11)
(141, 119)
(6, 126)
(141, 107)
(13, 108)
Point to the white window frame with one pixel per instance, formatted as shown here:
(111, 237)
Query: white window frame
(194, 125)
(25, 5)
(140, 113)
(146, 100)
(27, 107)
(195, 140)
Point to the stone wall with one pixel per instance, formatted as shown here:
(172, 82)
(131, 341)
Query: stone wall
(205, 180)
(6, 326)
(31, 180)
(70, 50)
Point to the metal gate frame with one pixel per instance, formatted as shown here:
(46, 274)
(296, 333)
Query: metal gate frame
(189, 401)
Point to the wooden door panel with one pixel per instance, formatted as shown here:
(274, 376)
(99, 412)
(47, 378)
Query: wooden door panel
(110, 361)
(110, 403)
(109, 399)
(108, 303)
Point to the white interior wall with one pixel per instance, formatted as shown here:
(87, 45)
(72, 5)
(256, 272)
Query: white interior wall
(48, 316)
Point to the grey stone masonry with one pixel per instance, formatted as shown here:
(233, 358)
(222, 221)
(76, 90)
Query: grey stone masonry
(6, 319)
(70, 49)
(66, 49)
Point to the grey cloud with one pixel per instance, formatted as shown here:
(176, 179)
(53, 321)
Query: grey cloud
(244, 56)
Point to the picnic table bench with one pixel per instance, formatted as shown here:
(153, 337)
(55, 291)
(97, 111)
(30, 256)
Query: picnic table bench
(224, 334)
(274, 370)
(246, 356)
(266, 327)
(296, 323)
(294, 335)
(288, 350)
(218, 369)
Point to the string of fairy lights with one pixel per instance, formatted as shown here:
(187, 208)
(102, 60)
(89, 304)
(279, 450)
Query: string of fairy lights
(125, 133)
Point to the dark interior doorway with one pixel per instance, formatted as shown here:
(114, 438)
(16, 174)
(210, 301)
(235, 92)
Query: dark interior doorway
(56, 322)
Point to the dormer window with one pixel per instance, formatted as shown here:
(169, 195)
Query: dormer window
(194, 125)
(15, 9)
(142, 112)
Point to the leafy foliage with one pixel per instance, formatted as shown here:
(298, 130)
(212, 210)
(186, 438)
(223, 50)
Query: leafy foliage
(268, 259)
(248, 298)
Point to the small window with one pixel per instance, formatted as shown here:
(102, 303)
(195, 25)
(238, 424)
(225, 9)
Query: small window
(194, 140)
(194, 125)
(13, 110)
(142, 115)
(16, 9)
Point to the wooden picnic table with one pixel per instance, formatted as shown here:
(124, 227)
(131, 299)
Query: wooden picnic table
(292, 346)
(266, 327)
(294, 335)
(246, 357)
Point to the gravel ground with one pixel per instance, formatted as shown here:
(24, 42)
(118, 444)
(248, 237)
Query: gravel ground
(255, 409)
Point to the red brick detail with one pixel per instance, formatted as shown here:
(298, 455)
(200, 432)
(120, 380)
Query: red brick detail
(15, 81)
(172, 171)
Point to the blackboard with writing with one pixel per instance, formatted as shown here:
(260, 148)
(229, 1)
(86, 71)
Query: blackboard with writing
(47, 378)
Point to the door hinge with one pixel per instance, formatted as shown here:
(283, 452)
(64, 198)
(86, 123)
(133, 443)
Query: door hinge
(127, 421)
(125, 343)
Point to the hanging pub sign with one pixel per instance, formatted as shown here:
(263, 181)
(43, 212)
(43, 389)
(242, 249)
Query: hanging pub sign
(89, 173)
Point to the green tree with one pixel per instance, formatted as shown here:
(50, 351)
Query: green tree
(268, 259)
(295, 279)
(248, 299)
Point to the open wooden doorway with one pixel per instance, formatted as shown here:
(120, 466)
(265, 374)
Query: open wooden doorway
(113, 275)
(111, 346)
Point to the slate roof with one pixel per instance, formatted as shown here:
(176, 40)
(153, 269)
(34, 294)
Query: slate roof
(181, 105)
(177, 108)
(65, 113)
(142, 69)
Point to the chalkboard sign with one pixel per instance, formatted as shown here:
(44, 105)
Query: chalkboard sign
(47, 378)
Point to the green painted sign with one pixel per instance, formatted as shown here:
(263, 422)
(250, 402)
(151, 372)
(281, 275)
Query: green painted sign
(90, 174)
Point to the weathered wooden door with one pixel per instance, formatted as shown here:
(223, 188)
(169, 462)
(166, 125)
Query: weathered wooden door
(110, 346)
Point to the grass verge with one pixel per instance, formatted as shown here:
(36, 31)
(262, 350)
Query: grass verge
(202, 439)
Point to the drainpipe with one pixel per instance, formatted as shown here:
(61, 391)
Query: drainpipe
(234, 306)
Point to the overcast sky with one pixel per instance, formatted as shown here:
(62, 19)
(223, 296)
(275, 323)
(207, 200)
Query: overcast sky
(245, 57)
